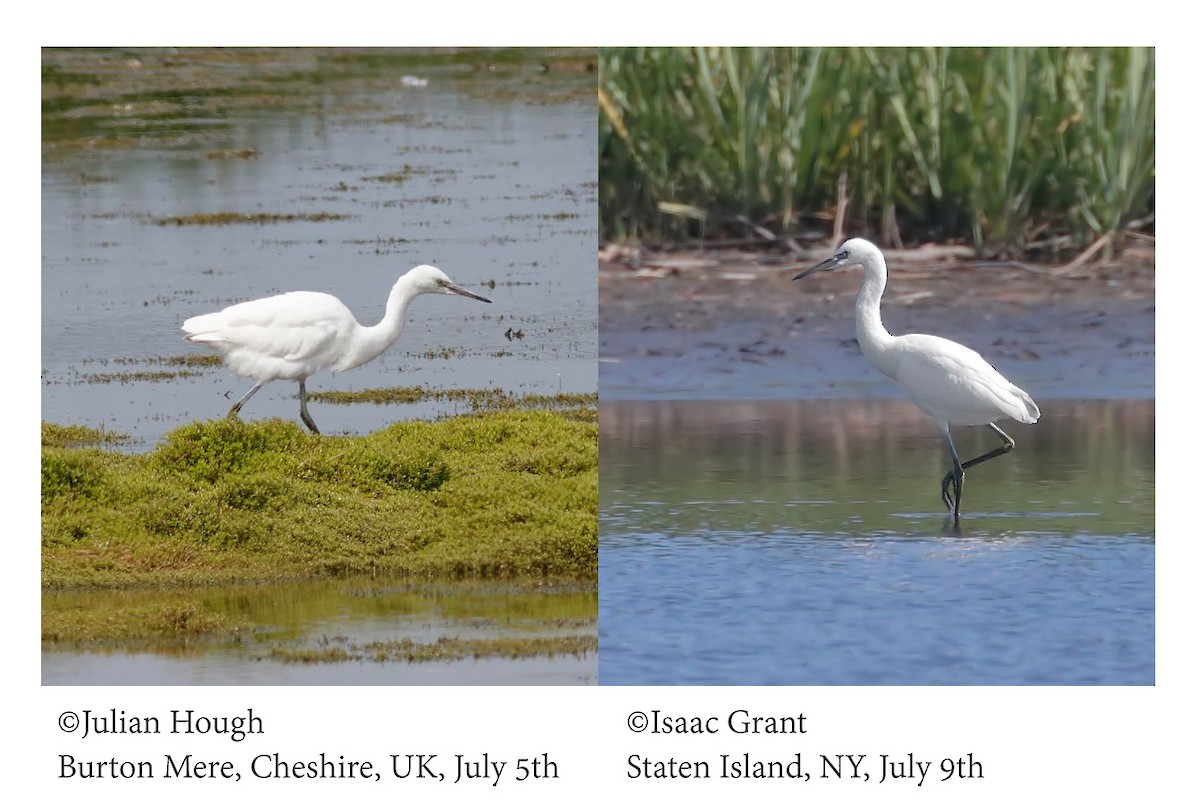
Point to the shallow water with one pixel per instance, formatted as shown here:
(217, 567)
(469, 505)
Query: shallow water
(139, 669)
(487, 173)
(778, 542)
(315, 615)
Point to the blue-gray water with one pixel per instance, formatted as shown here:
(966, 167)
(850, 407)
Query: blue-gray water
(214, 669)
(488, 173)
(805, 543)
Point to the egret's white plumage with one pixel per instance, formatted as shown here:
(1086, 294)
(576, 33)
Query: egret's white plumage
(294, 335)
(951, 383)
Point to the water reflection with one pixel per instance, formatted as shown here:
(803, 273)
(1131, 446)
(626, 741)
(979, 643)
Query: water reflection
(143, 669)
(282, 620)
(827, 461)
(805, 542)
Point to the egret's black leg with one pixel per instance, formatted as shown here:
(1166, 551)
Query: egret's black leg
(955, 475)
(304, 416)
(946, 480)
(954, 478)
(233, 411)
(1004, 448)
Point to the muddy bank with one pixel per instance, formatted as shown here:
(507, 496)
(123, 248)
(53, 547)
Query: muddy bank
(730, 323)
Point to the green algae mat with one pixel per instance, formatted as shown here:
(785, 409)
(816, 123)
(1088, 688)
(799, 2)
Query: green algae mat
(506, 495)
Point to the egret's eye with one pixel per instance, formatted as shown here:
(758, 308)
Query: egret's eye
(843, 255)
(441, 283)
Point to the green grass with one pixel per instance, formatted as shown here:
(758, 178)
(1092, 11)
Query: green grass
(998, 147)
(503, 495)
(76, 435)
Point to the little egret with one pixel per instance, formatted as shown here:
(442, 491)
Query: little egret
(949, 382)
(294, 335)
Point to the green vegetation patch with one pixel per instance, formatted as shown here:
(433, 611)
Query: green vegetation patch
(188, 360)
(127, 377)
(510, 494)
(445, 649)
(243, 153)
(1001, 147)
(77, 435)
(408, 171)
(164, 624)
(255, 218)
(579, 406)
(183, 100)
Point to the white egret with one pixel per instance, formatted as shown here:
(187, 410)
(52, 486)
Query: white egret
(951, 383)
(294, 335)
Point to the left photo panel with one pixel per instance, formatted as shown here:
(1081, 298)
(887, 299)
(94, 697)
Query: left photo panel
(319, 385)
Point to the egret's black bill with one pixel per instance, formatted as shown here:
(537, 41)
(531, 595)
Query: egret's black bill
(454, 288)
(829, 264)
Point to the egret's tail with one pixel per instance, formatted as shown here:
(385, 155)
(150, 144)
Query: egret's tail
(1032, 413)
(203, 328)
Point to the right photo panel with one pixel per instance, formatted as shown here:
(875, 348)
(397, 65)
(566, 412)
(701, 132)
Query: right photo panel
(877, 393)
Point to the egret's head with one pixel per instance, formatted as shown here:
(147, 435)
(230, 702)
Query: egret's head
(428, 279)
(854, 251)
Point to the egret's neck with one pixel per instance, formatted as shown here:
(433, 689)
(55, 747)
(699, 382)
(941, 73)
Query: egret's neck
(873, 338)
(371, 341)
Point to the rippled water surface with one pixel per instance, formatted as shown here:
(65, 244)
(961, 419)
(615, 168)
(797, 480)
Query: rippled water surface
(805, 543)
(324, 632)
(354, 166)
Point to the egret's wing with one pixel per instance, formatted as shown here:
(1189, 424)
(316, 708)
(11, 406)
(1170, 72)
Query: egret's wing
(298, 327)
(297, 343)
(958, 383)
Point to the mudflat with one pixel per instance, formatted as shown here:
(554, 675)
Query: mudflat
(731, 322)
